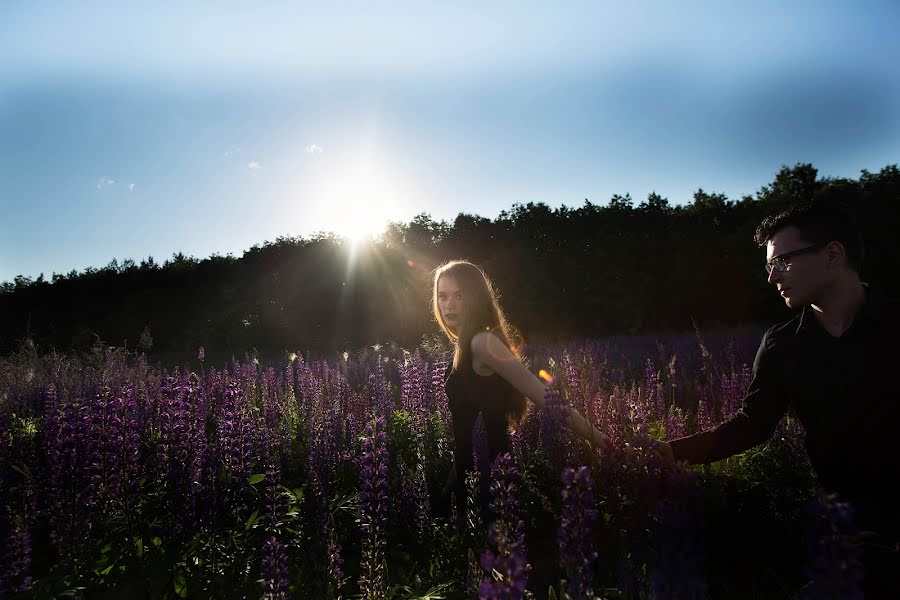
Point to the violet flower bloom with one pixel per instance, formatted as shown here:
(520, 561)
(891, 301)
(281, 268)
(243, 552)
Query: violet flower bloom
(505, 566)
(15, 574)
(274, 568)
(336, 578)
(374, 502)
(556, 437)
(576, 532)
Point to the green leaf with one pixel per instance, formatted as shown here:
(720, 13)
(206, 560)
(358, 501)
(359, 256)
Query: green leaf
(156, 541)
(254, 479)
(139, 545)
(252, 519)
(180, 586)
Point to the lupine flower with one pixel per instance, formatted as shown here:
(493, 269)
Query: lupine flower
(834, 561)
(383, 399)
(412, 392)
(705, 419)
(576, 532)
(336, 577)
(654, 392)
(15, 572)
(474, 523)
(556, 437)
(274, 568)
(374, 501)
(505, 566)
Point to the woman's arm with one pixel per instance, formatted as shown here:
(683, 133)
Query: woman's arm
(490, 351)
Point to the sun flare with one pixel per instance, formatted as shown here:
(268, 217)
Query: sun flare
(358, 204)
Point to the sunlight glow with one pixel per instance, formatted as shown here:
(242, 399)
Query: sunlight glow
(358, 203)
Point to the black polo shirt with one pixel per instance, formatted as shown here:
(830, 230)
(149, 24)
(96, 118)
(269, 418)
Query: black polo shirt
(844, 391)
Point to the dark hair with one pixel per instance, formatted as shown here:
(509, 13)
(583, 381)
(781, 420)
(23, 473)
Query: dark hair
(483, 313)
(818, 223)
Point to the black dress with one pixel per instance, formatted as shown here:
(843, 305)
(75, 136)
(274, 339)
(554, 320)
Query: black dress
(470, 394)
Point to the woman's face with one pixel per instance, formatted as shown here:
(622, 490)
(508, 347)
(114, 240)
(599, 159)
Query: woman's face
(451, 302)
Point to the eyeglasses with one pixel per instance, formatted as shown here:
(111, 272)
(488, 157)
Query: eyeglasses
(781, 262)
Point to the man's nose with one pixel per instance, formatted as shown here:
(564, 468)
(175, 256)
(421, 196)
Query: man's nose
(774, 275)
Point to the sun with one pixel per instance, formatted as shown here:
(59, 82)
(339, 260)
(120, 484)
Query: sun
(358, 203)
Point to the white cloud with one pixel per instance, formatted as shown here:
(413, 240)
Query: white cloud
(254, 165)
(105, 182)
(314, 149)
(232, 151)
(131, 187)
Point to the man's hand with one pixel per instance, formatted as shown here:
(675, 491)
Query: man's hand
(663, 451)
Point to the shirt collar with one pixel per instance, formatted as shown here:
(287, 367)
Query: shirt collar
(871, 310)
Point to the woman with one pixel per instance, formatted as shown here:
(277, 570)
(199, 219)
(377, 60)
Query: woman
(488, 376)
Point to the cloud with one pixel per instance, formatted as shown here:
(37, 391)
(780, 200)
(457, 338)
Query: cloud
(131, 187)
(233, 150)
(105, 182)
(314, 149)
(254, 165)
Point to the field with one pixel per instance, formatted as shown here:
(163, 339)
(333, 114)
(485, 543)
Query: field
(315, 478)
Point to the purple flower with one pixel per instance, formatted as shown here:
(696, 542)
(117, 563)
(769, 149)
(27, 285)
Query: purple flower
(412, 391)
(374, 501)
(274, 568)
(505, 566)
(556, 437)
(576, 532)
(15, 575)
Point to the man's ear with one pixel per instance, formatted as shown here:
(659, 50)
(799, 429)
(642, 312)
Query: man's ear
(836, 254)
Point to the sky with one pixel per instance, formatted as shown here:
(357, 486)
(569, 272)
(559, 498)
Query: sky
(136, 129)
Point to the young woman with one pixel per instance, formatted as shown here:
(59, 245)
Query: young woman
(488, 376)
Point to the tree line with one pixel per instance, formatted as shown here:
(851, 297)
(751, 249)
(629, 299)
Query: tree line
(562, 273)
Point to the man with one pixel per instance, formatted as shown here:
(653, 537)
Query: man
(832, 364)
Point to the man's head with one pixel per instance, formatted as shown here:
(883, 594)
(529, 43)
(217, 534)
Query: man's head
(809, 250)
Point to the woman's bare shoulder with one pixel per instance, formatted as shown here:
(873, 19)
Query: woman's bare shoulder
(486, 346)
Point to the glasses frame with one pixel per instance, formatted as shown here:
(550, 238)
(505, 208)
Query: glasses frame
(778, 262)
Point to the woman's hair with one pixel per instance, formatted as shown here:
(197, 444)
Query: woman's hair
(481, 312)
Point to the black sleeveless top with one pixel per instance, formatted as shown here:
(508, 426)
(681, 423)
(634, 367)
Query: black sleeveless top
(470, 394)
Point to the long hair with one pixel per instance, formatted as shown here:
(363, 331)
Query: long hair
(481, 312)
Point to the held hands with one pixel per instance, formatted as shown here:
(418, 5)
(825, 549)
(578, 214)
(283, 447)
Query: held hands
(661, 450)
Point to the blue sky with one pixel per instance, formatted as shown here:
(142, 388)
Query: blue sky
(129, 130)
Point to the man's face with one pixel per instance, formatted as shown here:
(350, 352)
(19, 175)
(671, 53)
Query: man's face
(806, 275)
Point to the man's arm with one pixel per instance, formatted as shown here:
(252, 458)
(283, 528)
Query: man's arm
(762, 409)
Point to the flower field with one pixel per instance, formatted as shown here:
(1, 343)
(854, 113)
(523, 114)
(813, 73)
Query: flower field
(314, 478)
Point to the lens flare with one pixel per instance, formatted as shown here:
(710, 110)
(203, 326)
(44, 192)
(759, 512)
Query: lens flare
(545, 376)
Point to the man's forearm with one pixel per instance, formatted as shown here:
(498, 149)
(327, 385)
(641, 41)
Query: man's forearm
(731, 437)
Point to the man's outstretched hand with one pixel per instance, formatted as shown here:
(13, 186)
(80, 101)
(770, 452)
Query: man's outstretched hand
(663, 450)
